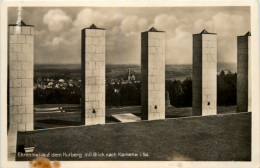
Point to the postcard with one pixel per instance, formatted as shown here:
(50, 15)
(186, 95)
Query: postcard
(129, 84)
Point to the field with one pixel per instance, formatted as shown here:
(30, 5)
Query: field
(211, 138)
(117, 71)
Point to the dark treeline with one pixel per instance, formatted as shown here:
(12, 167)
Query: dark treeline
(71, 95)
(227, 89)
(130, 94)
(180, 92)
(123, 94)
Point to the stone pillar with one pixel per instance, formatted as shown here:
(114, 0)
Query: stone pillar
(204, 77)
(167, 99)
(153, 75)
(243, 73)
(20, 83)
(93, 75)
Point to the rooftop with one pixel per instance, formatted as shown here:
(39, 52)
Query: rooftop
(21, 23)
(204, 31)
(153, 30)
(248, 33)
(94, 27)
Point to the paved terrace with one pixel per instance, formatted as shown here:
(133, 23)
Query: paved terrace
(72, 116)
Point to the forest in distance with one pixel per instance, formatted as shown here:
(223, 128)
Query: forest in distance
(179, 86)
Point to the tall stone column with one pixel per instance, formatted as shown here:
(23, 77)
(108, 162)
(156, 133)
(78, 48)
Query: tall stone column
(204, 77)
(93, 75)
(244, 73)
(153, 75)
(20, 80)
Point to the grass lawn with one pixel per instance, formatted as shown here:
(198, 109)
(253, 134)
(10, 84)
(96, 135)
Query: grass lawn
(210, 138)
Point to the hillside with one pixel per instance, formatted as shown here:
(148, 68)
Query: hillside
(211, 138)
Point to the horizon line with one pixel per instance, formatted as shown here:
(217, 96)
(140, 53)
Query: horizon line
(122, 64)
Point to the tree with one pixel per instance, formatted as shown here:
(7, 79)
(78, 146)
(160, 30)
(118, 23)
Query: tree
(226, 89)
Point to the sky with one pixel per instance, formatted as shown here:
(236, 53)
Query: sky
(58, 31)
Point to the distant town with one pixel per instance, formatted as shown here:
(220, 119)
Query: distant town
(62, 77)
(47, 82)
(50, 83)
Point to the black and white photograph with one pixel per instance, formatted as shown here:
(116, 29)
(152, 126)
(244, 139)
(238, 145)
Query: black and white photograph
(129, 83)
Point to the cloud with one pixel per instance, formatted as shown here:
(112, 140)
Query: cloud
(122, 32)
(87, 17)
(228, 27)
(166, 22)
(124, 40)
(58, 34)
(39, 33)
(55, 41)
(178, 38)
(84, 18)
(179, 47)
(223, 24)
(133, 24)
(56, 19)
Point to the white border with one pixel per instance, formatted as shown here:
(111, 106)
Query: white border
(151, 164)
